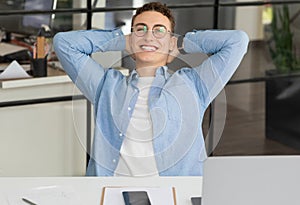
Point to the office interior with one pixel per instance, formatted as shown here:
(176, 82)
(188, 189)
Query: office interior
(46, 124)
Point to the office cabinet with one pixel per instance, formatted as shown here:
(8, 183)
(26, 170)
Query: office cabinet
(44, 137)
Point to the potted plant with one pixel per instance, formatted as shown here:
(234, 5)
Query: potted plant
(283, 82)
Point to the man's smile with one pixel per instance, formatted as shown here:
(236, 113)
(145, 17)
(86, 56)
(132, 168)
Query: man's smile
(149, 48)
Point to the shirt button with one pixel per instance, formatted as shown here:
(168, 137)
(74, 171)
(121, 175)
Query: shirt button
(114, 160)
(120, 134)
(117, 34)
(129, 108)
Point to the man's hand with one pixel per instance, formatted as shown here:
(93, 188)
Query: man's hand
(128, 43)
(128, 48)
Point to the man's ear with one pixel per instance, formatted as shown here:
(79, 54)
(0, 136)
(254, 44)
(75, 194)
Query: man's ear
(173, 52)
(173, 43)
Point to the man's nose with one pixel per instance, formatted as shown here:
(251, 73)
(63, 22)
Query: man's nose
(149, 35)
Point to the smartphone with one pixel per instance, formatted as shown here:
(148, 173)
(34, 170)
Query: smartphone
(196, 200)
(136, 198)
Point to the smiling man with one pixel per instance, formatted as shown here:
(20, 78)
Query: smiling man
(151, 49)
(149, 124)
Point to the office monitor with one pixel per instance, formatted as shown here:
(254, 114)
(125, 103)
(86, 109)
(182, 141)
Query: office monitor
(26, 24)
(10, 23)
(33, 23)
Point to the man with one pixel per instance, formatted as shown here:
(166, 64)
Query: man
(149, 124)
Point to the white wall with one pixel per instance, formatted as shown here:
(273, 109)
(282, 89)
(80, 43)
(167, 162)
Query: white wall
(249, 19)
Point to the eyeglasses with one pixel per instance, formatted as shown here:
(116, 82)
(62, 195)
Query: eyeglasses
(158, 31)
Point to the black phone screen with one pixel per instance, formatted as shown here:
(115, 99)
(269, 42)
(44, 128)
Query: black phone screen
(136, 198)
(196, 200)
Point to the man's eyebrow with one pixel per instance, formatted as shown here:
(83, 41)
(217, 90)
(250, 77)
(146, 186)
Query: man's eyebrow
(143, 24)
(140, 24)
(159, 25)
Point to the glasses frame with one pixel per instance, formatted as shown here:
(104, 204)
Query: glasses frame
(133, 30)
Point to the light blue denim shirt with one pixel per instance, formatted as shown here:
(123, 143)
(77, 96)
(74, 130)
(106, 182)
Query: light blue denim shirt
(177, 102)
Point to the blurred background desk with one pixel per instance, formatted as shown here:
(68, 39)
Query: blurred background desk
(87, 190)
(43, 127)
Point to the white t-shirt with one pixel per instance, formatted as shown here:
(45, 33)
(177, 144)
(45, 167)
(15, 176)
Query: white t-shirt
(136, 154)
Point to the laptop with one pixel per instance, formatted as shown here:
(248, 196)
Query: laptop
(251, 180)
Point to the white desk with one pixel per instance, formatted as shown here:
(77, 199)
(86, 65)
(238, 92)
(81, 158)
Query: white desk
(87, 190)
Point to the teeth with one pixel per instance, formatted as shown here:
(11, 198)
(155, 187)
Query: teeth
(148, 48)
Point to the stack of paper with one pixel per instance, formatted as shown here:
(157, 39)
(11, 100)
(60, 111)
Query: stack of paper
(7, 48)
(13, 71)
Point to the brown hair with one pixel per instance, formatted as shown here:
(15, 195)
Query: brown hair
(158, 7)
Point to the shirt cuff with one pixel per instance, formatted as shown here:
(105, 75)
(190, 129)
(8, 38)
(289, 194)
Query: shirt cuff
(191, 41)
(117, 41)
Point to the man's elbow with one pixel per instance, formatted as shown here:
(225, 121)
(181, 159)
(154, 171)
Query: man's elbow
(242, 39)
(58, 40)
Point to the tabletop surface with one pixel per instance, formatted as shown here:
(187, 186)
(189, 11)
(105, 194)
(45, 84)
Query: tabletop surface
(87, 190)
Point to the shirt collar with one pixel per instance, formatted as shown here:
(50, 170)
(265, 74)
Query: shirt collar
(161, 71)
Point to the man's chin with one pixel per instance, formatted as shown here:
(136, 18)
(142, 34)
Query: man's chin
(149, 57)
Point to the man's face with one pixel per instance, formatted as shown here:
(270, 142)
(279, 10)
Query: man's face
(151, 40)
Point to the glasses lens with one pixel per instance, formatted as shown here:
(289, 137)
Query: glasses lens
(140, 30)
(159, 31)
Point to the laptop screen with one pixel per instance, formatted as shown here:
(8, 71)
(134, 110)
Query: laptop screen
(251, 180)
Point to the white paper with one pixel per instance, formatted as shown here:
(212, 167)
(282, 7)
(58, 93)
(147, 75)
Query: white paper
(46, 195)
(6, 48)
(157, 195)
(14, 70)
